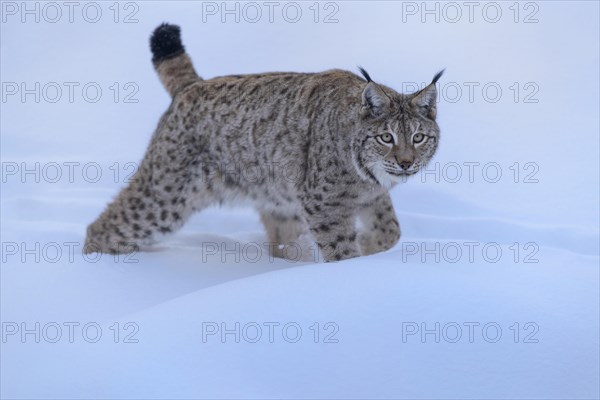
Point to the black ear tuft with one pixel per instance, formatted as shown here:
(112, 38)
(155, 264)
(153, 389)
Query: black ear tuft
(438, 76)
(365, 74)
(165, 42)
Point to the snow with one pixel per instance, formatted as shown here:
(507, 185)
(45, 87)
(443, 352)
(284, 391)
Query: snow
(520, 254)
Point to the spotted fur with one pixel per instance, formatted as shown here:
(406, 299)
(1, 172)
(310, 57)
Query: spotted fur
(313, 152)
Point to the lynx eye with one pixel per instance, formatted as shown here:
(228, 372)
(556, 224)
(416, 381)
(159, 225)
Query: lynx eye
(418, 138)
(386, 138)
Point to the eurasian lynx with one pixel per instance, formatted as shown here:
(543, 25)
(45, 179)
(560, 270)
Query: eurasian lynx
(313, 152)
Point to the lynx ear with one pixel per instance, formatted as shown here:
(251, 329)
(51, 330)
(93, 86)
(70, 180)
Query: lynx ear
(424, 100)
(374, 101)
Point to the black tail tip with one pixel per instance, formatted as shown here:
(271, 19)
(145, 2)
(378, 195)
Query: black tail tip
(165, 42)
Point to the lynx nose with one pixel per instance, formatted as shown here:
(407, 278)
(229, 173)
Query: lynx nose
(405, 159)
(405, 164)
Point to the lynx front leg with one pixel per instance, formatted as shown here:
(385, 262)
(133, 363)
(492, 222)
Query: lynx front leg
(334, 230)
(381, 229)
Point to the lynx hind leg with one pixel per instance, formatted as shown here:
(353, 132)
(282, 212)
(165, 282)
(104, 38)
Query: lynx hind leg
(381, 230)
(164, 192)
(289, 237)
(140, 214)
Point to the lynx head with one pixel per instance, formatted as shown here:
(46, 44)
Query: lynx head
(399, 134)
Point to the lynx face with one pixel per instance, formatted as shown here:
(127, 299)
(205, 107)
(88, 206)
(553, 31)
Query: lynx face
(400, 134)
